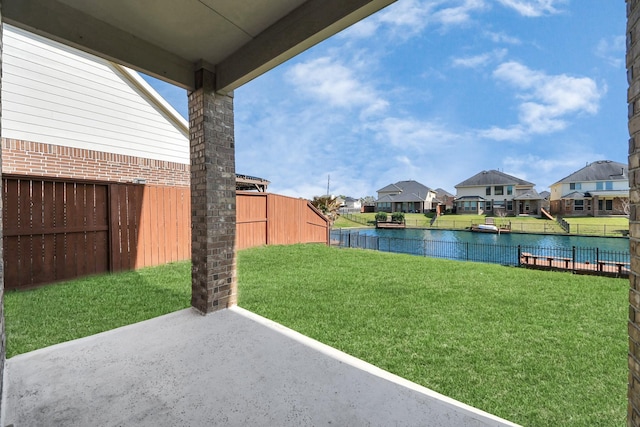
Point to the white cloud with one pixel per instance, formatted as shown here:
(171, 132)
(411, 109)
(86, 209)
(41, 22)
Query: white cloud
(502, 38)
(418, 135)
(546, 171)
(334, 83)
(533, 8)
(407, 18)
(612, 49)
(547, 100)
(478, 61)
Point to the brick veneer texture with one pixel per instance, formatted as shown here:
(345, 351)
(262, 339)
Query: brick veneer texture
(633, 97)
(38, 159)
(213, 192)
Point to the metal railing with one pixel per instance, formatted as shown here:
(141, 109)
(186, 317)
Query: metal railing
(575, 259)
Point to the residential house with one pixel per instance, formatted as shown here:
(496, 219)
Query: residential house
(599, 188)
(406, 196)
(495, 192)
(445, 199)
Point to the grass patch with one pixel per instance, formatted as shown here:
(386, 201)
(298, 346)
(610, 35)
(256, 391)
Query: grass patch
(538, 348)
(601, 226)
(57, 313)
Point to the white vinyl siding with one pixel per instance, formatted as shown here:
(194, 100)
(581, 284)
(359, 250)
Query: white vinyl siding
(57, 95)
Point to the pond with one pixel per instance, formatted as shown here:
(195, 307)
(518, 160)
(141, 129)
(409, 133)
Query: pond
(485, 247)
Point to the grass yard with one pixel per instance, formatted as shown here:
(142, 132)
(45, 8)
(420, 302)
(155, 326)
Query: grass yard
(538, 348)
(57, 313)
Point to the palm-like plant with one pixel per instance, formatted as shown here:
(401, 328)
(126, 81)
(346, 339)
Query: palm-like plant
(328, 205)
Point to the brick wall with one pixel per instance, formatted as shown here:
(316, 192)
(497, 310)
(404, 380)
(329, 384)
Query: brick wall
(633, 77)
(38, 159)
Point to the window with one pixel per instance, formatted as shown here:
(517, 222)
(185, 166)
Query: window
(600, 205)
(509, 205)
(599, 185)
(487, 191)
(488, 204)
(609, 205)
(498, 190)
(608, 185)
(578, 205)
(509, 190)
(575, 186)
(567, 204)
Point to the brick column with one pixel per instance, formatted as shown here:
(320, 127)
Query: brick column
(213, 196)
(633, 98)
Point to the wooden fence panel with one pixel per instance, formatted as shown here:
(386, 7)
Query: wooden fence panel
(271, 219)
(59, 229)
(53, 231)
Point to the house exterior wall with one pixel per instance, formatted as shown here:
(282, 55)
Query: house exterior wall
(562, 188)
(633, 98)
(57, 95)
(47, 160)
(480, 192)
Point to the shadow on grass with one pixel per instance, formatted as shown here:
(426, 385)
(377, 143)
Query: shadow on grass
(69, 310)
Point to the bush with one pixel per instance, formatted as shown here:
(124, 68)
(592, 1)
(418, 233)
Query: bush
(397, 217)
(381, 216)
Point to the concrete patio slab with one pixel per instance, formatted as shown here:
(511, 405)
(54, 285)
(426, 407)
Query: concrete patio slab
(230, 368)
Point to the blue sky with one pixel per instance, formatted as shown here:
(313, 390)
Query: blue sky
(437, 91)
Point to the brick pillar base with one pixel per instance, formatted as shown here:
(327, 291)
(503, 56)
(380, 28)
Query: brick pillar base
(213, 197)
(633, 76)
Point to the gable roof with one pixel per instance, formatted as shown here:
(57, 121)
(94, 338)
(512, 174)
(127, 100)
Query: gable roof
(407, 191)
(492, 177)
(601, 170)
(442, 192)
(409, 186)
(529, 195)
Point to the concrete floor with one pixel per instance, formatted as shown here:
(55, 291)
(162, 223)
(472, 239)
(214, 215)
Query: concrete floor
(230, 368)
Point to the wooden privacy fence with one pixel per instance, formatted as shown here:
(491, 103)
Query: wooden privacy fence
(61, 229)
(271, 219)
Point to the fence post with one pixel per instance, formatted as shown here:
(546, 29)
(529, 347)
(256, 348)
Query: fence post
(573, 259)
(467, 250)
(519, 256)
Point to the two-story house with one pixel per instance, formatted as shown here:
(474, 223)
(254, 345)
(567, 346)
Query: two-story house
(406, 196)
(495, 192)
(599, 188)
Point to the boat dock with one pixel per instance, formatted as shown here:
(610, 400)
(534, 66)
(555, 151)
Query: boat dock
(599, 267)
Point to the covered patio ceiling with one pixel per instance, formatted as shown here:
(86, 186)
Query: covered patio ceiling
(170, 39)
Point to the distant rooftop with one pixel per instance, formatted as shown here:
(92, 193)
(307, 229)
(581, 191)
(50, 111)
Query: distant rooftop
(601, 170)
(251, 183)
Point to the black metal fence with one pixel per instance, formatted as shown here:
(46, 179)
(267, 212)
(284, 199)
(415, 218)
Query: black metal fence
(576, 259)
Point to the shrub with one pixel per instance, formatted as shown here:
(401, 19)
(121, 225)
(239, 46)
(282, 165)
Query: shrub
(397, 217)
(381, 216)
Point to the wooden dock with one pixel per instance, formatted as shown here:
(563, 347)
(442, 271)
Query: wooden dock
(600, 267)
(389, 224)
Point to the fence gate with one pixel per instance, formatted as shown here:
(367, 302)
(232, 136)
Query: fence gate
(53, 230)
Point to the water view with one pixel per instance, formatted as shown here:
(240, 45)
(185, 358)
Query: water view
(503, 249)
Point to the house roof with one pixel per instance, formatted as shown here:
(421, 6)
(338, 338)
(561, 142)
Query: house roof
(492, 177)
(575, 195)
(469, 198)
(168, 39)
(601, 170)
(529, 195)
(545, 194)
(441, 192)
(408, 191)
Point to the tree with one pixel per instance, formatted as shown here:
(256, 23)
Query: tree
(368, 201)
(328, 205)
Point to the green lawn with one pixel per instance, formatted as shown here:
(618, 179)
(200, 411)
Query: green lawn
(601, 226)
(75, 309)
(538, 348)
